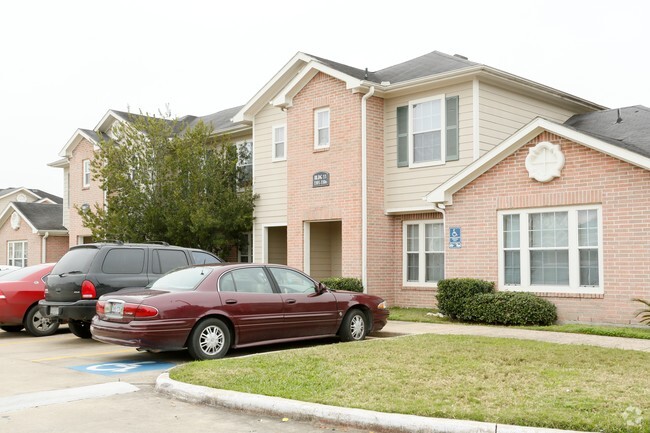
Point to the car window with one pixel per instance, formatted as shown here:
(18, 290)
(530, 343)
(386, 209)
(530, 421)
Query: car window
(182, 280)
(19, 274)
(292, 282)
(203, 258)
(76, 260)
(167, 260)
(246, 280)
(124, 261)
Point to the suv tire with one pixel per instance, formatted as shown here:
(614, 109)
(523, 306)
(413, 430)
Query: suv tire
(80, 328)
(38, 326)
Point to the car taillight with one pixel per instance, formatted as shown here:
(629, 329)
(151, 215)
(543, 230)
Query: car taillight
(140, 311)
(88, 290)
(100, 307)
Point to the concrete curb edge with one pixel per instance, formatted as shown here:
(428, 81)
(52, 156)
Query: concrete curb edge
(358, 418)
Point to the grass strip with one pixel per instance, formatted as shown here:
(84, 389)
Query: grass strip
(496, 380)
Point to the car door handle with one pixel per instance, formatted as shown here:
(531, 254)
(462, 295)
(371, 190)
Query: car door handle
(231, 301)
(291, 301)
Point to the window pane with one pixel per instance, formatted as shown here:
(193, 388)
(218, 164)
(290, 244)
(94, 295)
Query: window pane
(549, 230)
(433, 237)
(413, 268)
(412, 234)
(511, 231)
(324, 119)
(279, 150)
(251, 280)
(588, 228)
(323, 137)
(549, 267)
(512, 267)
(435, 267)
(589, 267)
(426, 147)
(279, 135)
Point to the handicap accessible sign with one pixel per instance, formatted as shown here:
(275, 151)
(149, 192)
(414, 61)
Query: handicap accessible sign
(455, 240)
(123, 367)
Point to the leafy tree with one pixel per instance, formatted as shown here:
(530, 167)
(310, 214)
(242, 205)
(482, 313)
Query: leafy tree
(167, 181)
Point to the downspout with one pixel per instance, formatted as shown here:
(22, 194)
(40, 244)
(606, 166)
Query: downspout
(44, 247)
(364, 188)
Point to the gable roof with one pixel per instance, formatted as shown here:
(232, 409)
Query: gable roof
(37, 193)
(41, 217)
(598, 131)
(431, 68)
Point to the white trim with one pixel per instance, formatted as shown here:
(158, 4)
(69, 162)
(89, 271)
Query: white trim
(573, 249)
(421, 252)
(306, 242)
(317, 129)
(21, 190)
(444, 193)
(6, 214)
(410, 210)
(85, 165)
(442, 129)
(274, 157)
(476, 123)
(364, 188)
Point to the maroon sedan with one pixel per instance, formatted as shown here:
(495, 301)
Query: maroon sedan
(210, 309)
(20, 291)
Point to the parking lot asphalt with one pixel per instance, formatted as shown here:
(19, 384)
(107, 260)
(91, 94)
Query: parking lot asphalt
(377, 421)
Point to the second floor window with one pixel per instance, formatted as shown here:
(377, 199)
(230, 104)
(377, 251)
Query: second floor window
(322, 128)
(86, 173)
(279, 143)
(245, 163)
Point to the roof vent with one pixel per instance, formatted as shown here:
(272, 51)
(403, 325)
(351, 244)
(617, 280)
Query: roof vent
(619, 119)
(460, 56)
(365, 76)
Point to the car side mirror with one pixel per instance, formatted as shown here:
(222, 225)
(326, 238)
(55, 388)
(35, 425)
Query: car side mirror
(320, 288)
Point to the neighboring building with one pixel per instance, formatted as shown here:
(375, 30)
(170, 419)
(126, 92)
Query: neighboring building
(31, 229)
(420, 171)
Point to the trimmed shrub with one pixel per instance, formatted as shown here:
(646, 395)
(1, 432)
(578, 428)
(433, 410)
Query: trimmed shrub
(341, 283)
(509, 308)
(454, 292)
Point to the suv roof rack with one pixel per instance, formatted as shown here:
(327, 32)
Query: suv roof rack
(158, 243)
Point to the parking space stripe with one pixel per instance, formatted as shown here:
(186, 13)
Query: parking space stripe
(36, 399)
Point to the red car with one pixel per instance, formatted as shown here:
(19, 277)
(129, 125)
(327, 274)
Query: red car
(211, 309)
(20, 291)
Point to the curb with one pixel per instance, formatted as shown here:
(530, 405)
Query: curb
(358, 418)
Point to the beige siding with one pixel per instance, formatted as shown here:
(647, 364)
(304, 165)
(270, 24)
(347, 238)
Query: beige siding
(405, 187)
(269, 178)
(502, 112)
(325, 250)
(277, 245)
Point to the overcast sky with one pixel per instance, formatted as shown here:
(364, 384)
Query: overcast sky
(64, 64)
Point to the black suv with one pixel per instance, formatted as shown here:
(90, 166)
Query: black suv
(88, 271)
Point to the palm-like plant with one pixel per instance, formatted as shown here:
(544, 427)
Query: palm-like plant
(644, 314)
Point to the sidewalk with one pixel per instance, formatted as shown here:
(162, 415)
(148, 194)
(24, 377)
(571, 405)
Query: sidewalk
(388, 422)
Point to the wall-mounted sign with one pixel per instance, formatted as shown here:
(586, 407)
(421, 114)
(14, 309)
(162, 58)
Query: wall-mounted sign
(322, 178)
(454, 237)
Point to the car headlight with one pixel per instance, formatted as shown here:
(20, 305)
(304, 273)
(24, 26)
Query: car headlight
(383, 306)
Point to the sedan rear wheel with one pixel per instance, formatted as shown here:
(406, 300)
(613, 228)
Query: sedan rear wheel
(39, 326)
(210, 339)
(354, 327)
(12, 328)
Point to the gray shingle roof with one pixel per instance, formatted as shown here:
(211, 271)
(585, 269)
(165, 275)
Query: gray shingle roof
(42, 216)
(220, 120)
(432, 63)
(627, 127)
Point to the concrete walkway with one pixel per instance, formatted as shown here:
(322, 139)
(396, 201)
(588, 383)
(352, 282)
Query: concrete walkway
(388, 422)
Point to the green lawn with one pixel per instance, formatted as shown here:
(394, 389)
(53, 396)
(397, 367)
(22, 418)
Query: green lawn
(485, 379)
(429, 315)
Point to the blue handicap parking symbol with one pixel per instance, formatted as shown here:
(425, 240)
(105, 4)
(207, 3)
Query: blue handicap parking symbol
(122, 367)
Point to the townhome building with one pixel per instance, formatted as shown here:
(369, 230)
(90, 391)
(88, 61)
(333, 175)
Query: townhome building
(438, 167)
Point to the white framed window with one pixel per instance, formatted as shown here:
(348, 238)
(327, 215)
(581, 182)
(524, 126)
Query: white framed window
(279, 134)
(424, 257)
(322, 128)
(245, 250)
(245, 162)
(551, 250)
(427, 134)
(85, 173)
(17, 253)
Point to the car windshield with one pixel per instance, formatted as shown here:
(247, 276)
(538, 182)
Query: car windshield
(77, 260)
(182, 280)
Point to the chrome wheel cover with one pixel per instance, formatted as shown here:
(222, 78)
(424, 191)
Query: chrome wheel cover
(211, 340)
(41, 323)
(357, 327)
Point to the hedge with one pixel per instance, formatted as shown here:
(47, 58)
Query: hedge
(509, 308)
(341, 283)
(454, 292)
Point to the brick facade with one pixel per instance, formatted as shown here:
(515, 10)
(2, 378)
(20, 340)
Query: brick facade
(588, 177)
(78, 193)
(56, 246)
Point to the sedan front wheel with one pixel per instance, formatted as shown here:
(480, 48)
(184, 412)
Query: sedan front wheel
(210, 339)
(354, 326)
